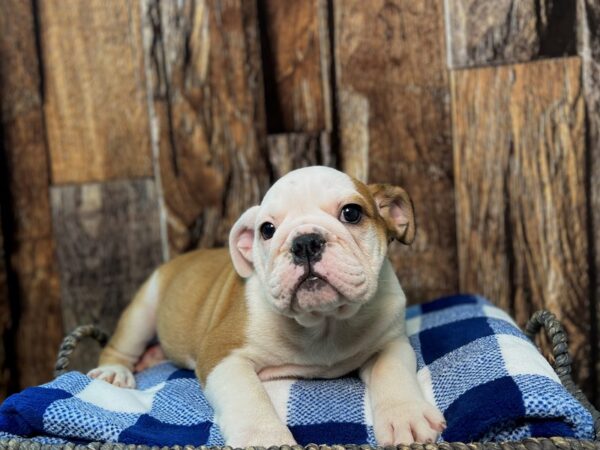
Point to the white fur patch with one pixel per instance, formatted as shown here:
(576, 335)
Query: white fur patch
(424, 379)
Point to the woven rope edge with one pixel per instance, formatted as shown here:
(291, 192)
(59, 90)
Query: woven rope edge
(70, 342)
(554, 443)
(562, 360)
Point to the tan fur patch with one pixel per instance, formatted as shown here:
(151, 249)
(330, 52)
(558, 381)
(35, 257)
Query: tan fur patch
(384, 196)
(371, 210)
(203, 314)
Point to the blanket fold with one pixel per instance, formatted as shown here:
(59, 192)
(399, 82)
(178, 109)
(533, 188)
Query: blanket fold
(483, 373)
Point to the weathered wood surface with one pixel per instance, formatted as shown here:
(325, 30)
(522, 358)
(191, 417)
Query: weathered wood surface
(6, 364)
(39, 330)
(520, 176)
(297, 65)
(294, 150)
(208, 114)
(108, 242)
(95, 90)
(589, 50)
(393, 100)
(488, 32)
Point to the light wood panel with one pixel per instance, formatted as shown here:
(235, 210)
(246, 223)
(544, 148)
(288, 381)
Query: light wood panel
(95, 96)
(520, 172)
(393, 104)
(38, 330)
(489, 32)
(294, 150)
(108, 242)
(297, 64)
(208, 115)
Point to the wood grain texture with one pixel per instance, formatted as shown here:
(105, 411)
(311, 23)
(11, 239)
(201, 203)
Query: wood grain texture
(208, 115)
(295, 150)
(6, 342)
(520, 179)
(108, 242)
(589, 50)
(484, 32)
(95, 96)
(296, 64)
(393, 104)
(38, 329)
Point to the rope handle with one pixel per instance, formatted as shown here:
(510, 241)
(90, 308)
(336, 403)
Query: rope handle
(562, 359)
(70, 342)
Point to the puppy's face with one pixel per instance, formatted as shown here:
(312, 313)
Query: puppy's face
(318, 240)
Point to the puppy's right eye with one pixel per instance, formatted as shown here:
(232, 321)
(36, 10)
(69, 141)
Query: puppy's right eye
(267, 230)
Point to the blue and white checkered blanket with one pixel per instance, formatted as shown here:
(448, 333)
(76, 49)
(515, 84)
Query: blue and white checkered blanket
(482, 372)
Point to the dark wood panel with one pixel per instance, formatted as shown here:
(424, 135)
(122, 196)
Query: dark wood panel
(393, 98)
(208, 115)
(6, 341)
(294, 150)
(297, 63)
(95, 90)
(484, 32)
(108, 242)
(520, 171)
(39, 329)
(589, 49)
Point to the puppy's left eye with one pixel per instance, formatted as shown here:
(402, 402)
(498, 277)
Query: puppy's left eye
(351, 213)
(267, 230)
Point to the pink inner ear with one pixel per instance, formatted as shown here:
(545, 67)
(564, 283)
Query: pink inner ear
(244, 244)
(398, 214)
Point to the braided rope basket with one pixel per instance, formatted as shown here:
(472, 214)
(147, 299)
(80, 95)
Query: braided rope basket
(541, 319)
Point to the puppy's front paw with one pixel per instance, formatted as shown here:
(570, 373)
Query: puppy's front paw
(407, 422)
(115, 374)
(260, 437)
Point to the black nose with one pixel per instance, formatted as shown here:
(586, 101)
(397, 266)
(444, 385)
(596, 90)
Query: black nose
(308, 247)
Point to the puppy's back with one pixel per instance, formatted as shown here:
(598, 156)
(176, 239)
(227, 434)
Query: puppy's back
(202, 312)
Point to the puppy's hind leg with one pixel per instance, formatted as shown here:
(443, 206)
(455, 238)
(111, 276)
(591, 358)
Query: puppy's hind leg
(135, 329)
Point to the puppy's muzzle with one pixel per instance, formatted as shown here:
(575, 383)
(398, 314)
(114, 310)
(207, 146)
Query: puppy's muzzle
(307, 248)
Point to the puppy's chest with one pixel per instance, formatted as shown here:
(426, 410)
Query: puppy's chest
(326, 353)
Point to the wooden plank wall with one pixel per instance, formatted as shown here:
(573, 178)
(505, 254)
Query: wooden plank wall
(37, 326)
(143, 130)
(589, 51)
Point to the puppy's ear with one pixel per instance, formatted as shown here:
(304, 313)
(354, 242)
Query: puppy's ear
(396, 209)
(241, 239)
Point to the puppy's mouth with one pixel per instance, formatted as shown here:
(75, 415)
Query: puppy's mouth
(310, 281)
(313, 292)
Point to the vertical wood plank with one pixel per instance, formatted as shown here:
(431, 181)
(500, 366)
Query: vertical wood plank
(6, 365)
(483, 32)
(296, 58)
(95, 97)
(108, 242)
(294, 150)
(208, 116)
(521, 197)
(393, 103)
(589, 49)
(39, 329)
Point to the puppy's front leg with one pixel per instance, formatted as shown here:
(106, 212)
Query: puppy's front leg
(401, 415)
(243, 409)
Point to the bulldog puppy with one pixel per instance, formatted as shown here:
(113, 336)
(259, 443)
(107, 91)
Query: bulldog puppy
(310, 293)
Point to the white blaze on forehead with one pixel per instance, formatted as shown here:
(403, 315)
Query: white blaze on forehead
(309, 187)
